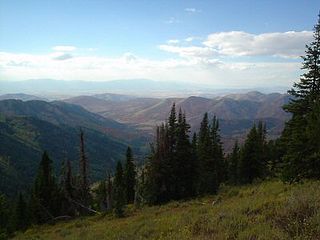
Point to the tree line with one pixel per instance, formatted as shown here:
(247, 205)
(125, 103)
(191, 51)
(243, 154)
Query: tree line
(180, 166)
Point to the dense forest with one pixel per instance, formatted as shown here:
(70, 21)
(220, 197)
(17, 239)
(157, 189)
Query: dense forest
(179, 166)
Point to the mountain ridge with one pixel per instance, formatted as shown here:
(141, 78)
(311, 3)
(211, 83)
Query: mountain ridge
(27, 128)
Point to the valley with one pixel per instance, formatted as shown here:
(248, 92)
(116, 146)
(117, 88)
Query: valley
(27, 128)
(236, 112)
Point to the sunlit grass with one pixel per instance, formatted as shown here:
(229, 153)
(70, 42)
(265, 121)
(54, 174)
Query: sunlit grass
(267, 210)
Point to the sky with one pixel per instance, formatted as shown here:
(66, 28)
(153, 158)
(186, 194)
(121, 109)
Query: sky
(219, 43)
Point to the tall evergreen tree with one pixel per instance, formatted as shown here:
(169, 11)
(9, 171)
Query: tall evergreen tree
(4, 215)
(129, 176)
(170, 160)
(195, 161)
(84, 187)
(248, 168)
(313, 136)
(45, 196)
(300, 158)
(67, 185)
(119, 196)
(208, 179)
(262, 149)
(184, 171)
(233, 164)
(252, 163)
(21, 218)
(66, 188)
(217, 151)
(141, 193)
(275, 152)
(171, 169)
(156, 183)
(101, 196)
(109, 193)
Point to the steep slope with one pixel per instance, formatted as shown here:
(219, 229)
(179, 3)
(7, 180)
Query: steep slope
(28, 128)
(61, 113)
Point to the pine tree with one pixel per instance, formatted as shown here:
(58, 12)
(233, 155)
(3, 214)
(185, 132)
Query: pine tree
(184, 171)
(233, 163)
(208, 179)
(275, 154)
(170, 171)
(262, 149)
(307, 91)
(301, 151)
(170, 162)
(84, 187)
(101, 196)
(313, 136)
(45, 195)
(172, 130)
(159, 174)
(68, 180)
(4, 215)
(21, 218)
(129, 176)
(109, 193)
(141, 193)
(119, 196)
(195, 161)
(66, 188)
(253, 156)
(217, 151)
(153, 174)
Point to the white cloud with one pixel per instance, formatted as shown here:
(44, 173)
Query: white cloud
(173, 41)
(190, 51)
(61, 56)
(172, 20)
(192, 10)
(236, 43)
(220, 60)
(64, 48)
(191, 69)
(129, 57)
(189, 39)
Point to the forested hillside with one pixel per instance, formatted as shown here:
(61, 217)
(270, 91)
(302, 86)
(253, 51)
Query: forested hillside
(29, 128)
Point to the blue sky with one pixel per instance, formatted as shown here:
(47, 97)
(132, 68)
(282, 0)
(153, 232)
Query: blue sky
(196, 41)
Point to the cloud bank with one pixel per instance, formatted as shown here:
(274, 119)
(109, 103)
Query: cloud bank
(238, 44)
(288, 44)
(225, 59)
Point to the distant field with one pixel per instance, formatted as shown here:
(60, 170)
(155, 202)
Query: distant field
(268, 210)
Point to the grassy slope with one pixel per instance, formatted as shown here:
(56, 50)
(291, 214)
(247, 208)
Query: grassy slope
(268, 210)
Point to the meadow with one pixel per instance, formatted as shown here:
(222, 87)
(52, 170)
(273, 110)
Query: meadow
(263, 210)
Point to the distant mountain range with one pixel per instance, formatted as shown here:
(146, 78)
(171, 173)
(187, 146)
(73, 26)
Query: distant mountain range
(27, 128)
(21, 96)
(57, 89)
(237, 112)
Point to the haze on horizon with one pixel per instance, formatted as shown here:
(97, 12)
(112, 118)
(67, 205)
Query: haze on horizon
(233, 44)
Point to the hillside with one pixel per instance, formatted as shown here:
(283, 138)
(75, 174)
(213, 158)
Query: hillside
(268, 210)
(61, 113)
(21, 96)
(237, 112)
(29, 128)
